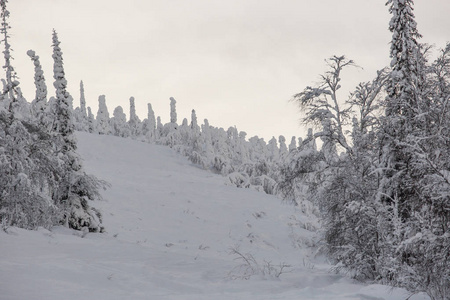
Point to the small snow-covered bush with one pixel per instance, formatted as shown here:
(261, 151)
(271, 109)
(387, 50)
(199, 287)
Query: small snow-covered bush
(248, 266)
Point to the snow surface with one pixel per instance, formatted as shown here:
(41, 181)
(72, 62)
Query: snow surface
(170, 228)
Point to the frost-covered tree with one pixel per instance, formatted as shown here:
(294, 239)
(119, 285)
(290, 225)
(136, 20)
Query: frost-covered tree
(134, 122)
(91, 121)
(81, 116)
(194, 123)
(103, 126)
(82, 101)
(293, 144)
(344, 186)
(11, 79)
(414, 186)
(119, 123)
(159, 128)
(173, 111)
(151, 123)
(283, 148)
(321, 103)
(402, 102)
(273, 151)
(39, 104)
(75, 188)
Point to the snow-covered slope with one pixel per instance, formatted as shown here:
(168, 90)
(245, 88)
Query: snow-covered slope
(173, 231)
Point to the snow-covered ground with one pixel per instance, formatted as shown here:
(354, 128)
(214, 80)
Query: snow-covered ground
(171, 231)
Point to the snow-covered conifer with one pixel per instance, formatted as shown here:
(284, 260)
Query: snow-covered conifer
(119, 123)
(293, 144)
(82, 101)
(75, 188)
(272, 148)
(11, 78)
(283, 147)
(91, 121)
(173, 111)
(134, 122)
(103, 126)
(39, 104)
(81, 117)
(63, 123)
(151, 123)
(159, 128)
(194, 124)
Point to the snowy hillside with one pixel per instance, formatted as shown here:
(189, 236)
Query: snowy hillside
(173, 231)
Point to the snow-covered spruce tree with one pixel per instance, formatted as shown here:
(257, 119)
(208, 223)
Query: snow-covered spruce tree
(11, 78)
(194, 123)
(119, 123)
(159, 129)
(151, 123)
(273, 151)
(402, 106)
(173, 111)
(415, 185)
(171, 133)
(39, 104)
(134, 122)
(293, 144)
(283, 148)
(103, 126)
(81, 116)
(91, 121)
(82, 101)
(194, 137)
(75, 187)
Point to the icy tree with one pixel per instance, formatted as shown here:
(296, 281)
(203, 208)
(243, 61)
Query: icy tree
(11, 78)
(82, 101)
(343, 186)
(415, 189)
(151, 123)
(173, 111)
(81, 117)
(119, 123)
(273, 151)
(159, 128)
(194, 123)
(75, 188)
(134, 122)
(283, 148)
(91, 121)
(103, 126)
(293, 144)
(39, 104)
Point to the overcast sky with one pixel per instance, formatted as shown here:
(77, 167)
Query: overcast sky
(236, 62)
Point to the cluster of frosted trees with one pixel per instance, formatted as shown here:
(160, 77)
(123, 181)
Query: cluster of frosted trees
(42, 182)
(251, 163)
(382, 177)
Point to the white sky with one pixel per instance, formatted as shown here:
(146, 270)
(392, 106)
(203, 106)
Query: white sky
(236, 62)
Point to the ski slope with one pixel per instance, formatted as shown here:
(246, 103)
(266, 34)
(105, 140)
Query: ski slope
(171, 230)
